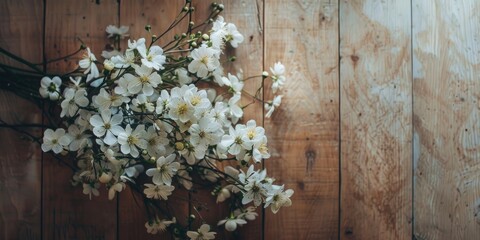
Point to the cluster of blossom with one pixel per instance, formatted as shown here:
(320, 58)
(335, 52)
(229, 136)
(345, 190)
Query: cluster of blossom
(144, 114)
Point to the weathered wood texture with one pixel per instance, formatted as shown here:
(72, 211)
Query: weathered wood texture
(68, 213)
(376, 125)
(303, 133)
(358, 126)
(446, 118)
(20, 159)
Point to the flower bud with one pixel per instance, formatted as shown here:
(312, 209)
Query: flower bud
(105, 177)
(265, 74)
(108, 65)
(179, 146)
(148, 27)
(205, 36)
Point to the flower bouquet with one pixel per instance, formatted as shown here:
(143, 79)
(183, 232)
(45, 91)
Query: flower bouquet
(162, 118)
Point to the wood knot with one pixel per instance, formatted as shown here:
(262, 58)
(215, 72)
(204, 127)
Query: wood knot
(348, 231)
(354, 59)
(310, 156)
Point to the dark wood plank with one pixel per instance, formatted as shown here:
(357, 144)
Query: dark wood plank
(20, 159)
(303, 133)
(376, 120)
(68, 213)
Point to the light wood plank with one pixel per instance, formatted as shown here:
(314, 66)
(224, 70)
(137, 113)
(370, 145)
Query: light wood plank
(303, 133)
(446, 118)
(20, 159)
(68, 213)
(376, 125)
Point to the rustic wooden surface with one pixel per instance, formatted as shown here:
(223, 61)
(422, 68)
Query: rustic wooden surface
(303, 134)
(67, 212)
(377, 133)
(446, 117)
(20, 159)
(376, 125)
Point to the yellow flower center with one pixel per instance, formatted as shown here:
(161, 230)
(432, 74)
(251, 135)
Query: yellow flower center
(182, 109)
(251, 134)
(131, 140)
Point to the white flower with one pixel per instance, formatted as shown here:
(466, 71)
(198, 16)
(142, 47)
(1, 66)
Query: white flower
(142, 104)
(203, 233)
(223, 195)
(278, 76)
(204, 61)
(88, 63)
(182, 76)
(105, 100)
(231, 223)
(270, 107)
(111, 54)
(117, 187)
(260, 150)
(233, 142)
(180, 109)
(157, 140)
(158, 191)
(158, 225)
(108, 125)
(50, 88)
(277, 198)
(233, 35)
(235, 85)
(114, 31)
(130, 140)
(55, 141)
(91, 188)
(253, 133)
(162, 102)
(146, 81)
(135, 44)
(165, 170)
(78, 137)
(124, 61)
(254, 187)
(235, 111)
(153, 57)
(248, 214)
(203, 134)
(73, 99)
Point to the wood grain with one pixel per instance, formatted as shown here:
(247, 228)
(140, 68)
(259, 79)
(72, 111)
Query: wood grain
(376, 125)
(303, 133)
(20, 158)
(446, 118)
(68, 213)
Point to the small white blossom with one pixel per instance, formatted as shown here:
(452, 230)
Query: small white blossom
(203, 233)
(158, 191)
(55, 141)
(204, 61)
(50, 87)
(165, 170)
(88, 63)
(73, 100)
(270, 107)
(278, 76)
(114, 31)
(232, 223)
(130, 140)
(278, 198)
(153, 57)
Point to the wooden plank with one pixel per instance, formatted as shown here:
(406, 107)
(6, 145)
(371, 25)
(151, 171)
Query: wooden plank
(20, 159)
(159, 14)
(446, 119)
(68, 213)
(376, 125)
(303, 133)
